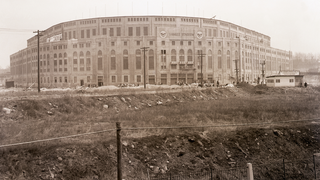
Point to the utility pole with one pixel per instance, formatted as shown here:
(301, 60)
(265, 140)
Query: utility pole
(236, 62)
(144, 49)
(38, 34)
(119, 151)
(201, 55)
(263, 63)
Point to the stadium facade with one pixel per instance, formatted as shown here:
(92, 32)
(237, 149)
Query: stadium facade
(109, 51)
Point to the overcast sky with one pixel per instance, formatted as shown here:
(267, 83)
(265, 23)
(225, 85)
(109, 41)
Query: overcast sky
(292, 24)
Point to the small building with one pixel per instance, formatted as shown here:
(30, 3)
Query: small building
(284, 80)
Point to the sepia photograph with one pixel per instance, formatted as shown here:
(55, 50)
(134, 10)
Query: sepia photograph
(159, 90)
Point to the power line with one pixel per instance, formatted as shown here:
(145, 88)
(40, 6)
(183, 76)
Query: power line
(172, 127)
(16, 30)
(57, 138)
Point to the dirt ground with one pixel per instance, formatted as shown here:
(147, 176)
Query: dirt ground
(158, 153)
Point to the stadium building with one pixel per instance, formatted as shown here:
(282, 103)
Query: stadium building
(109, 51)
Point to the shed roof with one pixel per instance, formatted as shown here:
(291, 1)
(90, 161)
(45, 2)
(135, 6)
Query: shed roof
(284, 76)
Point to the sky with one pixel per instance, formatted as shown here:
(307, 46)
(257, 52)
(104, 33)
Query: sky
(293, 25)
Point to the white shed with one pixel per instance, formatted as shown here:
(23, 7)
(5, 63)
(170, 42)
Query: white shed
(284, 80)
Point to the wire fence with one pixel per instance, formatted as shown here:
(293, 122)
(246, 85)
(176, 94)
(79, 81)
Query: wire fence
(222, 174)
(308, 168)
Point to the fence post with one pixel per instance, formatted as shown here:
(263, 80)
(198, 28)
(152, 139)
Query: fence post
(314, 168)
(170, 176)
(249, 171)
(211, 174)
(284, 170)
(119, 150)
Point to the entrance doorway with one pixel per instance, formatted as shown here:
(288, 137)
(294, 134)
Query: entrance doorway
(81, 82)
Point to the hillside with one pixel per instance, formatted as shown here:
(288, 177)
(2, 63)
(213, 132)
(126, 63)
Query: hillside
(161, 151)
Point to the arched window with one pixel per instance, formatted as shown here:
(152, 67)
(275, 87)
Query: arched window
(219, 60)
(81, 61)
(60, 62)
(181, 55)
(65, 62)
(189, 55)
(173, 55)
(228, 60)
(55, 56)
(88, 61)
(100, 66)
(210, 59)
(113, 60)
(151, 59)
(75, 61)
(138, 59)
(125, 60)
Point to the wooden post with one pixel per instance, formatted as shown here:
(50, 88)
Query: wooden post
(119, 150)
(284, 170)
(211, 174)
(249, 171)
(314, 168)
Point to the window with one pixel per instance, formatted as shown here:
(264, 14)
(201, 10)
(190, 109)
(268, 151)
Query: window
(130, 31)
(113, 60)
(219, 60)
(173, 43)
(277, 80)
(65, 79)
(150, 43)
(189, 43)
(93, 32)
(209, 43)
(82, 33)
(173, 55)
(125, 60)
(138, 59)
(163, 43)
(104, 31)
(88, 33)
(125, 79)
(137, 31)
(88, 79)
(75, 79)
(291, 80)
(55, 79)
(210, 59)
(228, 60)
(125, 43)
(138, 43)
(88, 61)
(99, 60)
(199, 43)
(181, 55)
(81, 61)
(113, 79)
(99, 44)
(219, 43)
(118, 31)
(112, 43)
(189, 55)
(111, 32)
(138, 78)
(151, 59)
(145, 31)
(181, 43)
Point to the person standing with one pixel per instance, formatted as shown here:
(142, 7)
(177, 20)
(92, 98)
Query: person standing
(305, 84)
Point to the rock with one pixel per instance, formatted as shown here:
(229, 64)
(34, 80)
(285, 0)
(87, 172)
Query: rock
(136, 108)
(123, 99)
(277, 132)
(162, 171)
(132, 146)
(191, 139)
(149, 105)
(6, 110)
(181, 153)
(59, 158)
(105, 106)
(200, 143)
(151, 167)
(156, 169)
(232, 164)
(159, 103)
(129, 106)
(49, 112)
(125, 143)
(100, 99)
